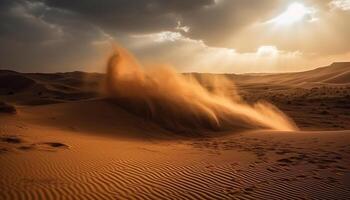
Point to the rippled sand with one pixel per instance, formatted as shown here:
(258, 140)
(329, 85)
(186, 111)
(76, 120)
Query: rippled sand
(83, 150)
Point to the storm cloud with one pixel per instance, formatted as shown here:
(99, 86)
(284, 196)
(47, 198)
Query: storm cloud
(65, 35)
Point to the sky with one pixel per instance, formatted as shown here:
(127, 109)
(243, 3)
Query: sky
(215, 36)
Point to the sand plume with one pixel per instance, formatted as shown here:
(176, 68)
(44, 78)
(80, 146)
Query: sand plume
(181, 103)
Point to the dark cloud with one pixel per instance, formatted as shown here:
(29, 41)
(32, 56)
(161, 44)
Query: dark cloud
(209, 20)
(136, 16)
(21, 21)
(36, 37)
(61, 35)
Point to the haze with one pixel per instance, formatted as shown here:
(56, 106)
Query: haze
(229, 36)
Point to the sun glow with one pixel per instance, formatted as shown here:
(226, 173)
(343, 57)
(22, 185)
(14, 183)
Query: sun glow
(295, 12)
(267, 51)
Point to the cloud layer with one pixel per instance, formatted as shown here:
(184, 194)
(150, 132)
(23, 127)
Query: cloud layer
(196, 35)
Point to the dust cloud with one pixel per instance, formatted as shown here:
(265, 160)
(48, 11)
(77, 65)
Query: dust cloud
(181, 103)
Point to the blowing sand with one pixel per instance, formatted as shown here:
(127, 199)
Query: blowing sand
(61, 139)
(181, 103)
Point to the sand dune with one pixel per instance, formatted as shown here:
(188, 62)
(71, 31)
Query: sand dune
(336, 71)
(81, 84)
(66, 151)
(312, 105)
(38, 89)
(67, 141)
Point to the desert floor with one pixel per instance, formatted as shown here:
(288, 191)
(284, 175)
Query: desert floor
(62, 141)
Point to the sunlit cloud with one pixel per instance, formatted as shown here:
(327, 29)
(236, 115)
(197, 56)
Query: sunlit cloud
(294, 13)
(340, 4)
(179, 26)
(267, 51)
(190, 55)
(205, 36)
(165, 36)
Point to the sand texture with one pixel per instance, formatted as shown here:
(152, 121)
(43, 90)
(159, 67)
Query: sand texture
(60, 138)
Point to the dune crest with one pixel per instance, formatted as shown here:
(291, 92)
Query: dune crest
(180, 103)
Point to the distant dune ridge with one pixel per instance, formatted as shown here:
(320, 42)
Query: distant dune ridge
(62, 138)
(7, 108)
(181, 103)
(46, 88)
(336, 73)
(307, 97)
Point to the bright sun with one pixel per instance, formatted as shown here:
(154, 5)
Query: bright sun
(295, 12)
